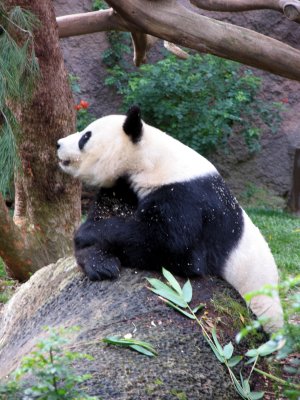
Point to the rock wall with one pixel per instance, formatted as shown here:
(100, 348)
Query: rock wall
(272, 166)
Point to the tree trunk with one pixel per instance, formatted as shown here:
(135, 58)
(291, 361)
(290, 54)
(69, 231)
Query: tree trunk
(48, 202)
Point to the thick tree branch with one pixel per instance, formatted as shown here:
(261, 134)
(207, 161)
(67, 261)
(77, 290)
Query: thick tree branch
(91, 22)
(290, 8)
(173, 22)
(106, 20)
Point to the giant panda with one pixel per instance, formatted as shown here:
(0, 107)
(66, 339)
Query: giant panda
(185, 217)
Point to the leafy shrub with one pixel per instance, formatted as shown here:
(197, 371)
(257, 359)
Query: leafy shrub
(200, 100)
(52, 376)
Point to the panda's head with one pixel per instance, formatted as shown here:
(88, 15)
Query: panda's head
(102, 152)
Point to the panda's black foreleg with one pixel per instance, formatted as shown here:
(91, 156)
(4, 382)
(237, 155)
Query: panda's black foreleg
(109, 241)
(96, 263)
(99, 246)
(102, 246)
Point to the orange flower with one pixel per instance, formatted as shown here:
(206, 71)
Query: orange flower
(84, 104)
(77, 107)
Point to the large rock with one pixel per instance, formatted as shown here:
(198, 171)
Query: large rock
(60, 295)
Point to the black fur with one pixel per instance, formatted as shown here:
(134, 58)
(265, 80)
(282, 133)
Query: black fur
(189, 228)
(133, 125)
(84, 139)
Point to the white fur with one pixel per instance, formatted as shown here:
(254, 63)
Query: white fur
(251, 266)
(157, 159)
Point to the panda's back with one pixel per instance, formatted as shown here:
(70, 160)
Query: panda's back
(200, 212)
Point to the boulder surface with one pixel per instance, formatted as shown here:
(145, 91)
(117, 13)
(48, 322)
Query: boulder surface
(60, 295)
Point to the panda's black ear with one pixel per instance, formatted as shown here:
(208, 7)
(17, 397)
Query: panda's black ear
(133, 125)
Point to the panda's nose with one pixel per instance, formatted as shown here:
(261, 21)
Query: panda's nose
(57, 145)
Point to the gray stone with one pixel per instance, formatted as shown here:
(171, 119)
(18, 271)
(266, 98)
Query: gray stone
(60, 295)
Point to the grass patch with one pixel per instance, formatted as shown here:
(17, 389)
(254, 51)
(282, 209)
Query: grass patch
(282, 232)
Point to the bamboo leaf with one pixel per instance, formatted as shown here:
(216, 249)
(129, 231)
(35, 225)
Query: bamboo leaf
(187, 291)
(246, 386)
(252, 353)
(228, 350)
(142, 350)
(217, 343)
(136, 345)
(116, 340)
(216, 352)
(251, 360)
(169, 294)
(256, 395)
(268, 348)
(187, 314)
(234, 361)
(172, 281)
(198, 308)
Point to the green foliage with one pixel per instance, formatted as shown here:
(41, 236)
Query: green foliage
(83, 116)
(50, 370)
(99, 5)
(286, 341)
(114, 57)
(200, 101)
(282, 344)
(18, 73)
(179, 299)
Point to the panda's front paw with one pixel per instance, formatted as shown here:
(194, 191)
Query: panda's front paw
(96, 264)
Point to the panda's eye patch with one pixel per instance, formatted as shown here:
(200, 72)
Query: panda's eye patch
(84, 138)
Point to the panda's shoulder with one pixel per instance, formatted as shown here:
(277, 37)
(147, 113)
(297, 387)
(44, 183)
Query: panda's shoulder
(204, 193)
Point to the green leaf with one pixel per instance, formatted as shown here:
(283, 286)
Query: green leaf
(246, 386)
(228, 350)
(187, 314)
(116, 340)
(256, 395)
(165, 291)
(217, 343)
(198, 308)
(234, 361)
(142, 350)
(252, 353)
(172, 281)
(251, 360)
(187, 291)
(268, 348)
(216, 352)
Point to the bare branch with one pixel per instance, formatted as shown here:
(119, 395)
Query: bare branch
(91, 22)
(237, 5)
(141, 44)
(290, 8)
(176, 50)
(173, 22)
(106, 20)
